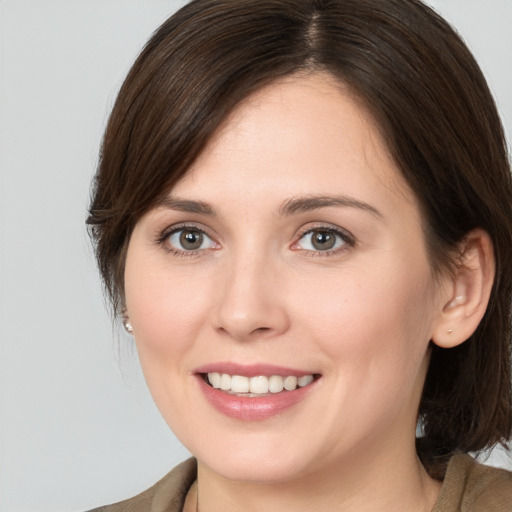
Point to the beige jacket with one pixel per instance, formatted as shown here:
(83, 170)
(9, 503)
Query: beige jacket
(467, 487)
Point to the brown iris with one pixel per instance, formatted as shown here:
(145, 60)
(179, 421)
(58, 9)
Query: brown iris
(323, 240)
(191, 240)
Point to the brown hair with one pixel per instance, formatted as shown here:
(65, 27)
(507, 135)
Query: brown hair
(433, 105)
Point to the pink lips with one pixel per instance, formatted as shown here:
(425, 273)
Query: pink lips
(251, 408)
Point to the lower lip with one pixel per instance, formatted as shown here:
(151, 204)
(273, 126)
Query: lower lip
(252, 408)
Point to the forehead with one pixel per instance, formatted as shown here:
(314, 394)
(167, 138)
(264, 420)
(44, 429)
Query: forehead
(301, 135)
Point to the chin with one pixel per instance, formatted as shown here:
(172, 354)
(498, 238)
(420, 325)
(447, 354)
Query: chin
(255, 468)
(250, 457)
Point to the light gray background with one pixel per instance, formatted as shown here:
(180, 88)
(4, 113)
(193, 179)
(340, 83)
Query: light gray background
(77, 426)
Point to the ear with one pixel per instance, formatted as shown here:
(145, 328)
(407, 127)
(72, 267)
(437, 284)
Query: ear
(468, 291)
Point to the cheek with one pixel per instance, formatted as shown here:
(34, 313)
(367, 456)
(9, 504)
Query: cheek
(370, 319)
(375, 347)
(166, 309)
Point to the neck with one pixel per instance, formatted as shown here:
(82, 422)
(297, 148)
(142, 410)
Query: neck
(372, 482)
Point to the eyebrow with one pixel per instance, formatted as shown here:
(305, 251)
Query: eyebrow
(308, 203)
(289, 207)
(187, 206)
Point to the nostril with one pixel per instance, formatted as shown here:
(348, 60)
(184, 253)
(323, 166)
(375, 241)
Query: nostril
(261, 329)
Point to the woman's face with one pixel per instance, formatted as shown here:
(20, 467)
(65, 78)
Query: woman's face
(292, 251)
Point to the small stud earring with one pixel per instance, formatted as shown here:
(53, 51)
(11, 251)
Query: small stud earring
(127, 326)
(126, 323)
(449, 331)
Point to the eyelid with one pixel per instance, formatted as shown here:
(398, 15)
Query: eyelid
(164, 235)
(347, 237)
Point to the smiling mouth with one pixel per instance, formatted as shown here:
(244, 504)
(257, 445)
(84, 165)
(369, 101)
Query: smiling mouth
(258, 386)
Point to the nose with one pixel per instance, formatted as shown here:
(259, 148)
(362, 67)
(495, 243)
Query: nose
(252, 301)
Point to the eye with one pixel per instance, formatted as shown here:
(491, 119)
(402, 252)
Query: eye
(189, 239)
(323, 239)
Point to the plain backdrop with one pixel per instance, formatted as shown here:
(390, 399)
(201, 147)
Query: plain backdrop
(77, 426)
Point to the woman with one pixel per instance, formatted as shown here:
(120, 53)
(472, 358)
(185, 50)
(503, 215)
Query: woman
(303, 214)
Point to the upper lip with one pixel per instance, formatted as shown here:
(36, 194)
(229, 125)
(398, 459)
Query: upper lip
(252, 370)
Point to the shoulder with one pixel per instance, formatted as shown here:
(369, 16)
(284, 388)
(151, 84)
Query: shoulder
(473, 487)
(167, 495)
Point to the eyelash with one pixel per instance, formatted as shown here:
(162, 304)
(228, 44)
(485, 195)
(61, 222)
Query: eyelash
(346, 237)
(164, 236)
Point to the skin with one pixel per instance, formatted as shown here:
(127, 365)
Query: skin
(257, 291)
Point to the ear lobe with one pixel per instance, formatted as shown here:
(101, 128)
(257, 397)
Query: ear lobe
(126, 322)
(469, 291)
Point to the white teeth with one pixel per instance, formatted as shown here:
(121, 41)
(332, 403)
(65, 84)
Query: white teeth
(304, 380)
(214, 379)
(275, 384)
(290, 383)
(225, 382)
(239, 384)
(260, 385)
